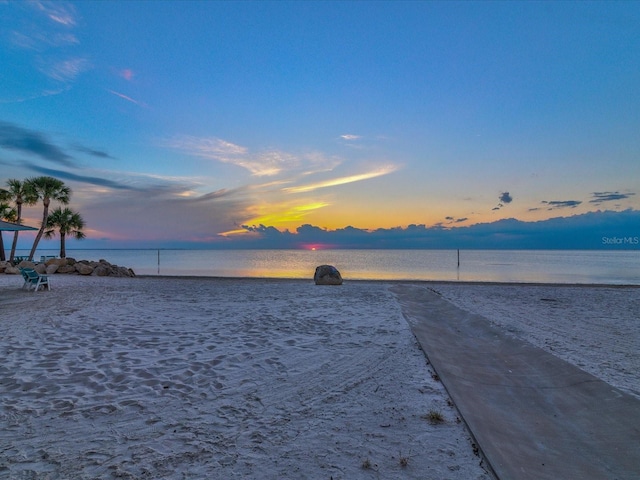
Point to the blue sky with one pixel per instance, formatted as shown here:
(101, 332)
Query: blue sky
(399, 124)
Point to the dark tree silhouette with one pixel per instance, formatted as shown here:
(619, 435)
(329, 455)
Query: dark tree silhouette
(19, 194)
(6, 213)
(46, 189)
(67, 222)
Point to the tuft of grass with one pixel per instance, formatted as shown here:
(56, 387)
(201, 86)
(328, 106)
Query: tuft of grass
(366, 464)
(434, 416)
(404, 461)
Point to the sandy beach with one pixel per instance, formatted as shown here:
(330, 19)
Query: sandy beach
(176, 378)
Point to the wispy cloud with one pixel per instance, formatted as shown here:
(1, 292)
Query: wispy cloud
(26, 98)
(39, 41)
(48, 43)
(557, 204)
(221, 193)
(210, 147)
(384, 170)
(91, 151)
(45, 47)
(62, 13)
(451, 220)
(266, 163)
(31, 142)
(350, 137)
(601, 197)
(65, 70)
(146, 188)
(127, 98)
(64, 175)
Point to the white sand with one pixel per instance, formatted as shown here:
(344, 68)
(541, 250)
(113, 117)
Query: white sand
(160, 378)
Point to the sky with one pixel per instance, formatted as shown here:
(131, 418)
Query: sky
(328, 124)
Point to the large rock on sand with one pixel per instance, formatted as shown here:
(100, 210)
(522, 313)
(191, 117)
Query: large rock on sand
(327, 275)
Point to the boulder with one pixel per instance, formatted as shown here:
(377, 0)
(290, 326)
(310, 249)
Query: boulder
(51, 269)
(327, 275)
(101, 271)
(123, 272)
(4, 265)
(83, 269)
(40, 268)
(26, 264)
(12, 270)
(61, 262)
(66, 269)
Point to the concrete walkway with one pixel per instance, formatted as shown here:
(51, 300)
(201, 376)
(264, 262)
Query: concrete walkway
(533, 415)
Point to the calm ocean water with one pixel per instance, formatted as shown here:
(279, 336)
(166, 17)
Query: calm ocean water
(529, 266)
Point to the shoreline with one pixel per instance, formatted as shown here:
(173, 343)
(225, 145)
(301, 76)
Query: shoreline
(353, 280)
(528, 266)
(404, 281)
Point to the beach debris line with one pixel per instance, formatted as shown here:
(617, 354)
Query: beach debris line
(327, 275)
(101, 268)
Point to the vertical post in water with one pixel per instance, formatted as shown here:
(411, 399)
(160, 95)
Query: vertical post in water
(458, 258)
(158, 261)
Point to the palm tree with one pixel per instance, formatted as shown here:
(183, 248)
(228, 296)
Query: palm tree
(6, 213)
(67, 222)
(46, 189)
(19, 194)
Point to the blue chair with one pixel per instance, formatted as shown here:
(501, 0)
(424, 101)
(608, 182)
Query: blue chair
(34, 279)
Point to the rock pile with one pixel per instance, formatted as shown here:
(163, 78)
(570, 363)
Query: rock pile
(101, 268)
